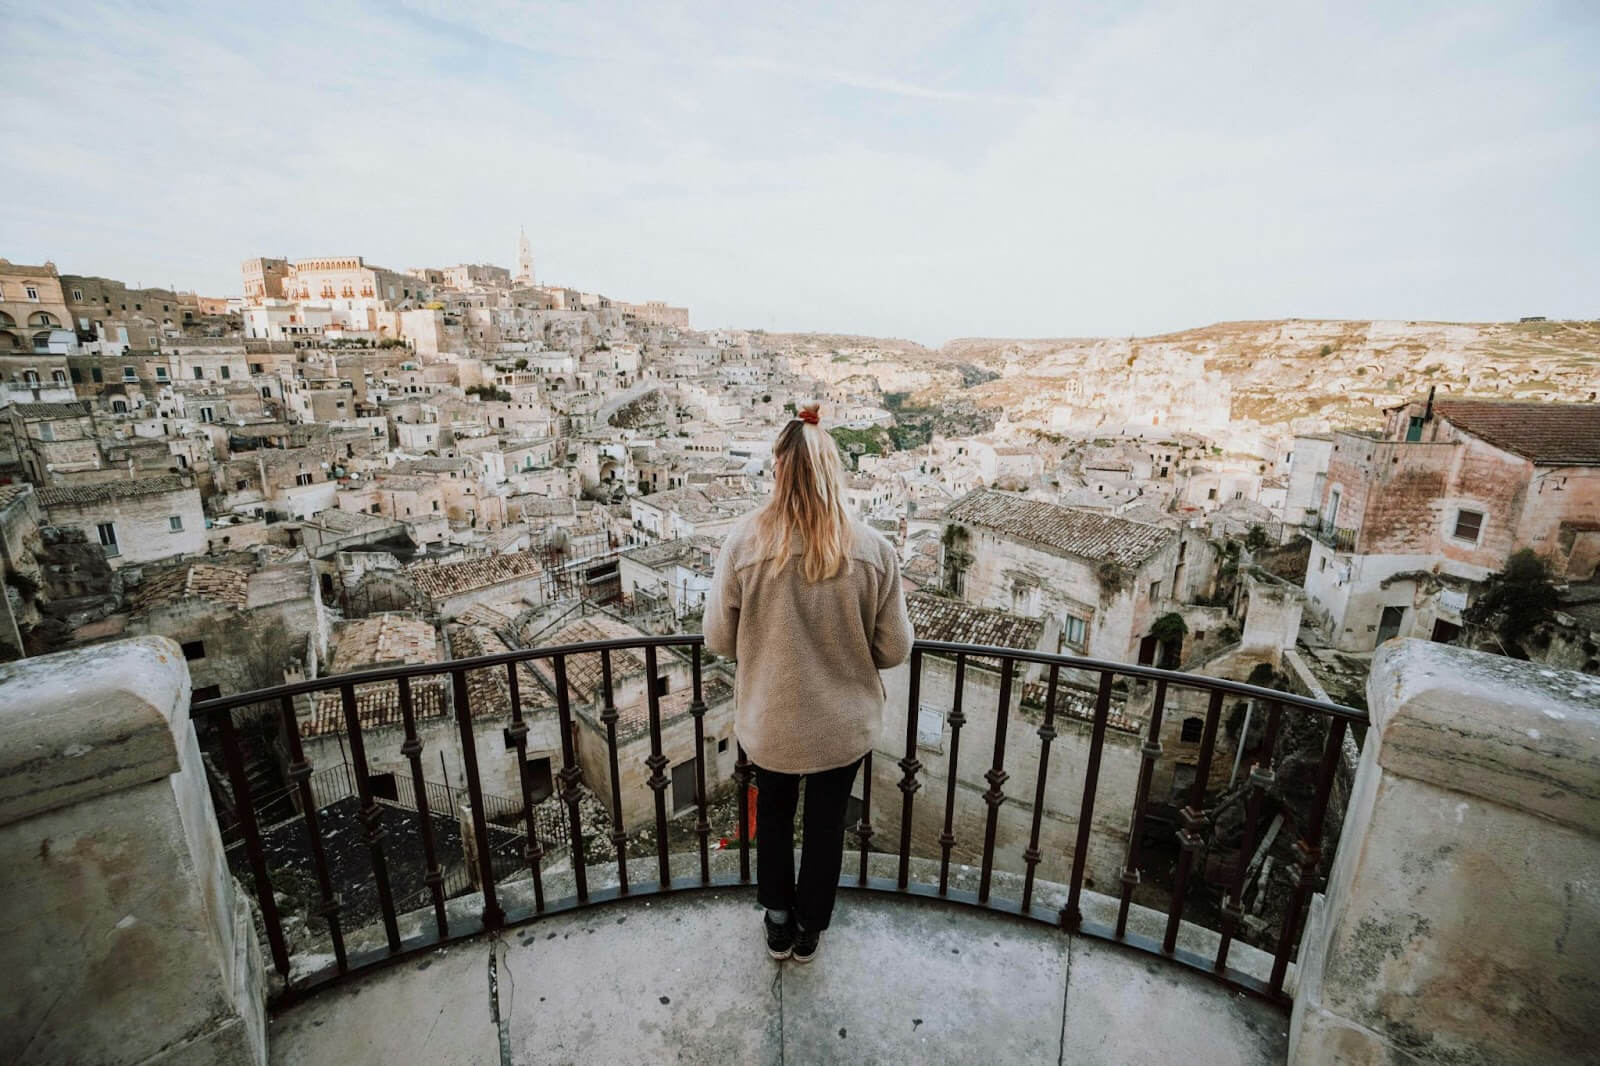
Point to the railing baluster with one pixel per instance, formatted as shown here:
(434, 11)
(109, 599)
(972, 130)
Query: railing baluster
(996, 777)
(300, 773)
(1308, 853)
(493, 916)
(245, 810)
(864, 826)
(1072, 914)
(517, 739)
(412, 750)
(657, 762)
(1261, 779)
(1141, 798)
(947, 838)
(608, 716)
(1194, 820)
(741, 778)
(371, 814)
(909, 767)
(570, 775)
(702, 827)
(1047, 733)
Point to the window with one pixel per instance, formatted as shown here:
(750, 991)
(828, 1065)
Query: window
(255, 368)
(206, 692)
(1322, 564)
(722, 745)
(207, 414)
(1155, 591)
(194, 649)
(1211, 494)
(175, 522)
(108, 537)
(930, 727)
(33, 293)
(199, 373)
(1469, 525)
(161, 373)
(1193, 729)
(663, 685)
(302, 479)
(47, 431)
(130, 373)
(1074, 631)
(95, 375)
(77, 376)
(119, 406)
(226, 374)
(435, 505)
(77, 296)
(30, 377)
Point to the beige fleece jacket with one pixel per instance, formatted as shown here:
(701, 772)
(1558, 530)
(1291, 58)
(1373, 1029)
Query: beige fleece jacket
(808, 695)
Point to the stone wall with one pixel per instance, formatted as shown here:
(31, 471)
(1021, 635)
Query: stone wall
(126, 941)
(1461, 922)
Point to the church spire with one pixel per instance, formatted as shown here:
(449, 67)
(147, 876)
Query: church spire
(524, 259)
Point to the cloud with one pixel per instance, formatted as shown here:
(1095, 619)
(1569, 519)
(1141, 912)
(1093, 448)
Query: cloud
(1003, 169)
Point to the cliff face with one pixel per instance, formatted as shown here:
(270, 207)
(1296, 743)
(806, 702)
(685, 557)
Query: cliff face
(1285, 375)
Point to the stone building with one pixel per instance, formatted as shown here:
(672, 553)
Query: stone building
(1096, 582)
(1414, 517)
(137, 521)
(33, 310)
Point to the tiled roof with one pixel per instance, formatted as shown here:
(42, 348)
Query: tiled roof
(101, 491)
(220, 584)
(488, 691)
(383, 639)
(634, 719)
(76, 409)
(1551, 434)
(1074, 702)
(377, 704)
(439, 580)
(1085, 534)
(585, 683)
(940, 618)
(8, 493)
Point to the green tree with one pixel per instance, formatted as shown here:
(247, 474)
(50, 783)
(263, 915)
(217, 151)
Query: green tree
(1516, 601)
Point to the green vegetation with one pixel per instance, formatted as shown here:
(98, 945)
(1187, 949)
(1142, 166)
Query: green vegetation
(1325, 351)
(522, 364)
(858, 442)
(488, 392)
(1516, 601)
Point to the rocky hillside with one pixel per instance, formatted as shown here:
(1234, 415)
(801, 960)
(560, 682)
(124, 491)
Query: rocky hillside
(1294, 373)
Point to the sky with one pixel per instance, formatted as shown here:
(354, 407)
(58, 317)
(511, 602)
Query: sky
(907, 169)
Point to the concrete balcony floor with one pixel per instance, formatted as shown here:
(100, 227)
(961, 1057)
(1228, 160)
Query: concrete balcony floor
(686, 979)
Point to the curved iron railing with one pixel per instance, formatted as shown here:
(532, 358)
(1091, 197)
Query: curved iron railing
(1195, 818)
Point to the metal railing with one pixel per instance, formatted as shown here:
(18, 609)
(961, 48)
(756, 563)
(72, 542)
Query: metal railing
(1331, 722)
(1338, 538)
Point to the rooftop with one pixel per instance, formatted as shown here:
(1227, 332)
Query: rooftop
(439, 580)
(383, 639)
(39, 411)
(102, 491)
(1085, 534)
(162, 587)
(942, 618)
(1550, 434)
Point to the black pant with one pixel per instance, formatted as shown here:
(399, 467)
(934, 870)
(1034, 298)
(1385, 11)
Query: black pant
(821, 853)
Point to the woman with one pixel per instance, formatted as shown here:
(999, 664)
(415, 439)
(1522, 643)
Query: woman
(809, 603)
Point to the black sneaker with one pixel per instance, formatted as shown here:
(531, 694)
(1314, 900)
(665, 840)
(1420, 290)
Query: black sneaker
(780, 938)
(805, 944)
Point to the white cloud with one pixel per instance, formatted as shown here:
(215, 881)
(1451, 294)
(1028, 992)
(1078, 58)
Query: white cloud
(1011, 170)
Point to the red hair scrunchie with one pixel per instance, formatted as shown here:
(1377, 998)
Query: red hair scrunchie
(809, 415)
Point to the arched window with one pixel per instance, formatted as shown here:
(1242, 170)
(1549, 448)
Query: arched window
(42, 318)
(41, 341)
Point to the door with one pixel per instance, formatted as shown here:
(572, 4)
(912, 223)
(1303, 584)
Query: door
(1444, 632)
(683, 787)
(1147, 651)
(1389, 624)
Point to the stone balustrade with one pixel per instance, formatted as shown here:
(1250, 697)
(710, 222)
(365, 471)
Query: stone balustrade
(124, 940)
(1461, 922)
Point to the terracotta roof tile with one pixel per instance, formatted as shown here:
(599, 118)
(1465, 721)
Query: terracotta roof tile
(440, 580)
(1085, 534)
(1550, 434)
(100, 491)
(940, 618)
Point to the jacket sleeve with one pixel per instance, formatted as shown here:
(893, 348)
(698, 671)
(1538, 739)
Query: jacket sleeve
(721, 621)
(891, 630)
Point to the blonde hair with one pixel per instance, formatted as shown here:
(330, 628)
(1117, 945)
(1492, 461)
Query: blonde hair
(807, 501)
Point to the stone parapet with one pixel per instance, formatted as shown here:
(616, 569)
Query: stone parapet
(1461, 921)
(125, 939)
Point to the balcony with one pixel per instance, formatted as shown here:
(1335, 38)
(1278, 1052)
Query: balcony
(1336, 537)
(1469, 832)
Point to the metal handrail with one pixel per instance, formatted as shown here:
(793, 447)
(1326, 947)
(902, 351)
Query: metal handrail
(380, 825)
